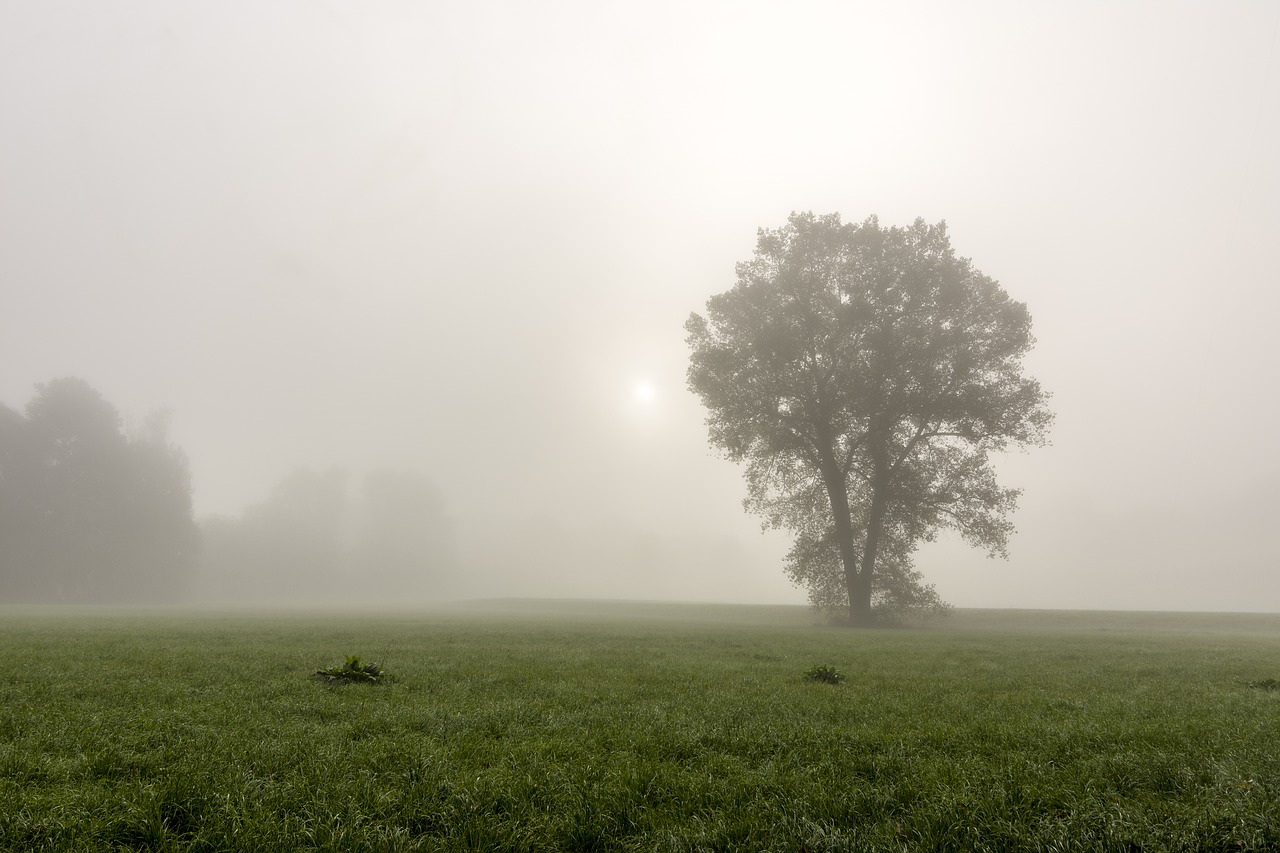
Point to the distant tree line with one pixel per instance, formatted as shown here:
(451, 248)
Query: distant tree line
(88, 512)
(318, 539)
(92, 512)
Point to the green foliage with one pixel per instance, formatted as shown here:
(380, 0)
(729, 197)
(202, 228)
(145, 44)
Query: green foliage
(638, 728)
(825, 675)
(1265, 684)
(352, 672)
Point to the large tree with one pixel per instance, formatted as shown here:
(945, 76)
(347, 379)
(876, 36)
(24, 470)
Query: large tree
(864, 375)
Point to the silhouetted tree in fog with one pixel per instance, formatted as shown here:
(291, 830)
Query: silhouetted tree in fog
(289, 548)
(157, 534)
(91, 514)
(18, 570)
(864, 375)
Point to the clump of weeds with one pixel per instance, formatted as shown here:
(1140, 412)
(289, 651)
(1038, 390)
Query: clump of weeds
(824, 675)
(352, 672)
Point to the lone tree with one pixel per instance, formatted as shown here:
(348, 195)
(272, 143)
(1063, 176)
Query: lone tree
(864, 375)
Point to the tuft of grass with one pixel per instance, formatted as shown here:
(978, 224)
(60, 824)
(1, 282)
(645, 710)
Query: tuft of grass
(824, 675)
(1265, 684)
(352, 672)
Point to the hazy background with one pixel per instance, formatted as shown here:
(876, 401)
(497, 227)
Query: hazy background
(456, 238)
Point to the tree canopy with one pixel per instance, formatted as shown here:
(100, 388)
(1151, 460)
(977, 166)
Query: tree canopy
(864, 375)
(88, 513)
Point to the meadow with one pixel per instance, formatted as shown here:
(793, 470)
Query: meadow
(522, 726)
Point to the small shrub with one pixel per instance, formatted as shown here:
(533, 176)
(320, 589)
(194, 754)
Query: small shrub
(352, 672)
(824, 674)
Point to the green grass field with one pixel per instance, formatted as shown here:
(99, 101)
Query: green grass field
(612, 726)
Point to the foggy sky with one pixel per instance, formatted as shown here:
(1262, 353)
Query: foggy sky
(454, 237)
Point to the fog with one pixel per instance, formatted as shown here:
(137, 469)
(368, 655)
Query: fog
(461, 240)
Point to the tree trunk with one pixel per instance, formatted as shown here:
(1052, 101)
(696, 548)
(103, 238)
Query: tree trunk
(860, 609)
(859, 591)
(859, 599)
(875, 522)
(860, 615)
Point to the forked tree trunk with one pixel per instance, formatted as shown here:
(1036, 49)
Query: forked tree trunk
(860, 587)
(858, 584)
(860, 611)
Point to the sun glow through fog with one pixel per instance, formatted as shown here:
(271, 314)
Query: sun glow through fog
(642, 391)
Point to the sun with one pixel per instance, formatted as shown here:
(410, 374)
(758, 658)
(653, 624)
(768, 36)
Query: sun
(642, 391)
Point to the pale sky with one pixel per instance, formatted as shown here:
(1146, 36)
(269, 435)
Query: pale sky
(458, 238)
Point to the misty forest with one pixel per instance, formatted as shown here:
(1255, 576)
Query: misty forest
(94, 512)
(589, 425)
